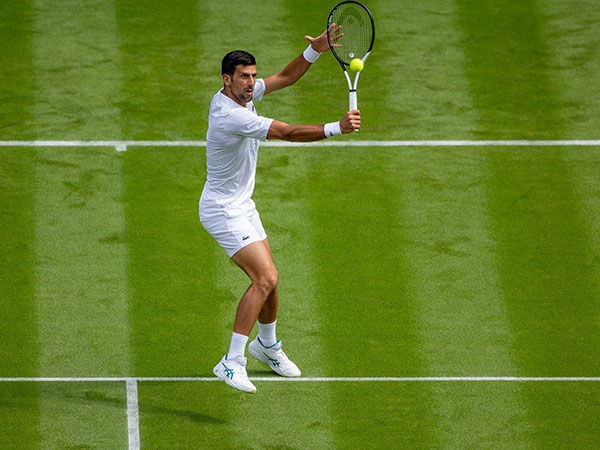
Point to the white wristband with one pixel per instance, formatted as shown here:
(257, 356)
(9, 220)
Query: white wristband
(332, 129)
(310, 54)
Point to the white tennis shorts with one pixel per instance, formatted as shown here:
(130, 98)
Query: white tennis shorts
(235, 233)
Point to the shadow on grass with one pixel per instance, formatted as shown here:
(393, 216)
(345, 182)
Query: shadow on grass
(94, 397)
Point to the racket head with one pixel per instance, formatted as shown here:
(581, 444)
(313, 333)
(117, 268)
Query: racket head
(358, 28)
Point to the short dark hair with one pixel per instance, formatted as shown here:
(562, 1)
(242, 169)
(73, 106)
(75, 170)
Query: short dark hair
(235, 58)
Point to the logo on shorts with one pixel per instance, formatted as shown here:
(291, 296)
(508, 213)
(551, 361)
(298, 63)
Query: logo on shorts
(245, 238)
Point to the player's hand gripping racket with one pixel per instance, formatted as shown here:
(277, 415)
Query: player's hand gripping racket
(358, 31)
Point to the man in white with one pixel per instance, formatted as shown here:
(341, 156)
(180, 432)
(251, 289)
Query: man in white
(227, 210)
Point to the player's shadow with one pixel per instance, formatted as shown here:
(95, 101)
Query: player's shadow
(260, 372)
(96, 397)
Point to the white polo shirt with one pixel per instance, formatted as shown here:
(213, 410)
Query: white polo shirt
(231, 155)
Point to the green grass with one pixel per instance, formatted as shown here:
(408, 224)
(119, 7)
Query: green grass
(419, 261)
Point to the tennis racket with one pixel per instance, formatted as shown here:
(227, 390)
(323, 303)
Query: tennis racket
(358, 31)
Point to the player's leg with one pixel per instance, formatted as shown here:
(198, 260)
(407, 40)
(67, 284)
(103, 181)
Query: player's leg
(245, 241)
(256, 260)
(266, 348)
(267, 318)
(268, 313)
(261, 298)
(243, 236)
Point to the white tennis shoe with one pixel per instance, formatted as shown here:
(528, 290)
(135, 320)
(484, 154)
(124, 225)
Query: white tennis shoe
(274, 358)
(233, 372)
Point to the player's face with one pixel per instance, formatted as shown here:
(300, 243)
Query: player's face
(241, 85)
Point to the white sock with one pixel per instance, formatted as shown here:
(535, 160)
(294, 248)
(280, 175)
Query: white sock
(237, 346)
(266, 333)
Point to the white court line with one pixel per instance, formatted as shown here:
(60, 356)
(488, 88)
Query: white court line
(133, 415)
(134, 380)
(121, 146)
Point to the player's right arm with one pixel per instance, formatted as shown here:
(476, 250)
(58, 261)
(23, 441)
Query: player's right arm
(309, 133)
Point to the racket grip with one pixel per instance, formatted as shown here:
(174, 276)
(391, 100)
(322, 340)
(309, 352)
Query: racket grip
(353, 103)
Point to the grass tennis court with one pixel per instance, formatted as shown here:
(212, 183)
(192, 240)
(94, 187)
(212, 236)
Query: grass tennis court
(402, 261)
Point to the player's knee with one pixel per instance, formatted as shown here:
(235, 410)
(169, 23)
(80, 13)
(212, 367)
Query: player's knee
(267, 282)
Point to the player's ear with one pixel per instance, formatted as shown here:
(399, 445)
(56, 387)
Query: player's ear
(226, 79)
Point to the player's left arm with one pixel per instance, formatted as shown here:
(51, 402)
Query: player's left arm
(298, 67)
(310, 133)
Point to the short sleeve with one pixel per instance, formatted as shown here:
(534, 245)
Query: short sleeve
(259, 89)
(245, 123)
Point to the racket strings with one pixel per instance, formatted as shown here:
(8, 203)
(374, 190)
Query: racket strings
(358, 31)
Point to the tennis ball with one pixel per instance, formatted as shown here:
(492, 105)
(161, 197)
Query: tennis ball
(357, 65)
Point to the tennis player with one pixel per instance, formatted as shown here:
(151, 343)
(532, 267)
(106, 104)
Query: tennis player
(227, 210)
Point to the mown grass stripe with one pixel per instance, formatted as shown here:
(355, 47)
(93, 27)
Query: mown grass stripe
(81, 289)
(166, 270)
(173, 298)
(451, 269)
(18, 328)
(359, 269)
(454, 282)
(17, 318)
(159, 51)
(17, 77)
(355, 191)
(534, 214)
(170, 276)
(508, 71)
(77, 69)
(19, 407)
(301, 320)
(537, 220)
(574, 55)
(281, 180)
(570, 33)
(81, 254)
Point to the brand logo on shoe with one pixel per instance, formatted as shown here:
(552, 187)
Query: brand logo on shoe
(228, 372)
(275, 362)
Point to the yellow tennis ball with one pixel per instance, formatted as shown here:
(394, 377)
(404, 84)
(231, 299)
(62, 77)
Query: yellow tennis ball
(357, 65)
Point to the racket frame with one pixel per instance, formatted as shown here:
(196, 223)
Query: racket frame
(352, 98)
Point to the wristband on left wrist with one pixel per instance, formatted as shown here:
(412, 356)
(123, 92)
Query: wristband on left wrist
(310, 54)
